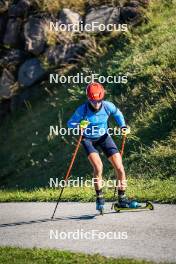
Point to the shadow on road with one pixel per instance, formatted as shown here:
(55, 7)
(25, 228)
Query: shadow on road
(77, 218)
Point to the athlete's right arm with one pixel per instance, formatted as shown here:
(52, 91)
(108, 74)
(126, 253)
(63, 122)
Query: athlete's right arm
(76, 118)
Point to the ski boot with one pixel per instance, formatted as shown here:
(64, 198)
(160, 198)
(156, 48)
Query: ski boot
(124, 203)
(100, 204)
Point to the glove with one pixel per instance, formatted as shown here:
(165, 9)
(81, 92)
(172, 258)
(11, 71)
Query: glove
(125, 130)
(84, 124)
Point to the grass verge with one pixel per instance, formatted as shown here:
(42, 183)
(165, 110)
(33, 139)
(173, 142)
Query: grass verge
(9, 255)
(29, 156)
(156, 190)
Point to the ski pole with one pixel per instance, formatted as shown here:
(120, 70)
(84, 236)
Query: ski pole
(121, 153)
(123, 145)
(68, 171)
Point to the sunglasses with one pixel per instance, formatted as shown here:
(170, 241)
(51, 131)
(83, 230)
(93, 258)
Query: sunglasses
(95, 101)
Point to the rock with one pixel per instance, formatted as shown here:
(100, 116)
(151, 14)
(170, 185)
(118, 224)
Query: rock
(7, 80)
(59, 54)
(30, 72)
(34, 35)
(74, 52)
(21, 9)
(12, 34)
(54, 55)
(131, 12)
(18, 99)
(3, 6)
(67, 16)
(11, 59)
(130, 15)
(103, 15)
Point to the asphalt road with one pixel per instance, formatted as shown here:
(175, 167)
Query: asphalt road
(147, 235)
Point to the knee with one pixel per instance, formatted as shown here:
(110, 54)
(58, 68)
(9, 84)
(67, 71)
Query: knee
(98, 168)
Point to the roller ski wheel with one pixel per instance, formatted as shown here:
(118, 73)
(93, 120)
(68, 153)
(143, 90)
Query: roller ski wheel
(149, 205)
(116, 206)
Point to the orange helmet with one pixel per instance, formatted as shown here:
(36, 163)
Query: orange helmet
(95, 91)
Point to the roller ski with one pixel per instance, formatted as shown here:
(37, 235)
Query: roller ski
(123, 204)
(100, 204)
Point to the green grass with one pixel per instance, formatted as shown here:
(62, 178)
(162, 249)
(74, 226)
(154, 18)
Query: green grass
(156, 190)
(10, 255)
(28, 157)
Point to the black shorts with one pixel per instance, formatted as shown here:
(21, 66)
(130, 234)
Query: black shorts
(105, 142)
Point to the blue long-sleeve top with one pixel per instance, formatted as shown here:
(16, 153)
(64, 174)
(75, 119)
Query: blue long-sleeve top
(98, 118)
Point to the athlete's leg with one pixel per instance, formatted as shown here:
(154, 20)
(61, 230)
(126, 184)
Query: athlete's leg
(116, 162)
(123, 201)
(110, 149)
(97, 165)
(95, 161)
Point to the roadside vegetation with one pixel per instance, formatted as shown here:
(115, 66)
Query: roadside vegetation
(156, 190)
(9, 255)
(29, 156)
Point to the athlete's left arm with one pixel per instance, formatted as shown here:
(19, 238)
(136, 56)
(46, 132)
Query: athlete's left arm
(119, 118)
